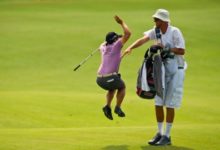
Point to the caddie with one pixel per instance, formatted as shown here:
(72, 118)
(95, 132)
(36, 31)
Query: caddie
(172, 42)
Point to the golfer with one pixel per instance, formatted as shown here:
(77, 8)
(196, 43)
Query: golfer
(172, 42)
(108, 76)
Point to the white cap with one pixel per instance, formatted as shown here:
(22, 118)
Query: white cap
(162, 14)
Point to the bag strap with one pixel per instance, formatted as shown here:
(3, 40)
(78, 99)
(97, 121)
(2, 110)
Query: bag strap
(158, 35)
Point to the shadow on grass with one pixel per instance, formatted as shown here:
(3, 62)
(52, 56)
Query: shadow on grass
(165, 148)
(125, 147)
(116, 147)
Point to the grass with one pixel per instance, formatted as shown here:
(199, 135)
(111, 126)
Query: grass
(44, 105)
(106, 138)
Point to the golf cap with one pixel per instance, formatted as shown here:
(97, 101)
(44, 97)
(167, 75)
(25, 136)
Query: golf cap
(111, 37)
(162, 14)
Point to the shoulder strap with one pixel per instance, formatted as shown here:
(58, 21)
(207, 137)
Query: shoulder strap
(158, 35)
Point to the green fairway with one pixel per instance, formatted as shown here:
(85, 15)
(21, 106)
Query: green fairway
(45, 105)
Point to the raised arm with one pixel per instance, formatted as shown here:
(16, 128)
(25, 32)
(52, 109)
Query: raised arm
(125, 28)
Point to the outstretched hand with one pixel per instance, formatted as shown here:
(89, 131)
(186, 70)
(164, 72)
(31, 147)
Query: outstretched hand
(126, 52)
(118, 20)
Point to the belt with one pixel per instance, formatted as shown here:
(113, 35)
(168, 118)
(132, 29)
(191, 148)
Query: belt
(180, 67)
(107, 75)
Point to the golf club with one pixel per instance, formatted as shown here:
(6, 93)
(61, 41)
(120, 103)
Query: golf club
(83, 61)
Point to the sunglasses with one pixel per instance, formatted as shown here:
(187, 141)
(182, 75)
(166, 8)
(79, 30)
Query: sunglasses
(156, 19)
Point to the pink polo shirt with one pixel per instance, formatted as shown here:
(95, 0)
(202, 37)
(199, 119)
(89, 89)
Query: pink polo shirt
(111, 57)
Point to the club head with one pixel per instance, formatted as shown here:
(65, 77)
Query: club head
(77, 67)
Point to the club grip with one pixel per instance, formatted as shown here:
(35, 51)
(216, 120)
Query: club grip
(76, 67)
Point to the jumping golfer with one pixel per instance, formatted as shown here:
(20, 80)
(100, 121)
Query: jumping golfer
(108, 76)
(172, 42)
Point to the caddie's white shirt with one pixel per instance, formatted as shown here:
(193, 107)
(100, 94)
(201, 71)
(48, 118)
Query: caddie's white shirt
(173, 76)
(172, 37)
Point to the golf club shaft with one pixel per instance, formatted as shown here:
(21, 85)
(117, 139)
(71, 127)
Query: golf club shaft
(82, 62)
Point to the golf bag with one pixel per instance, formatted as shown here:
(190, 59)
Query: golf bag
(148, 74)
